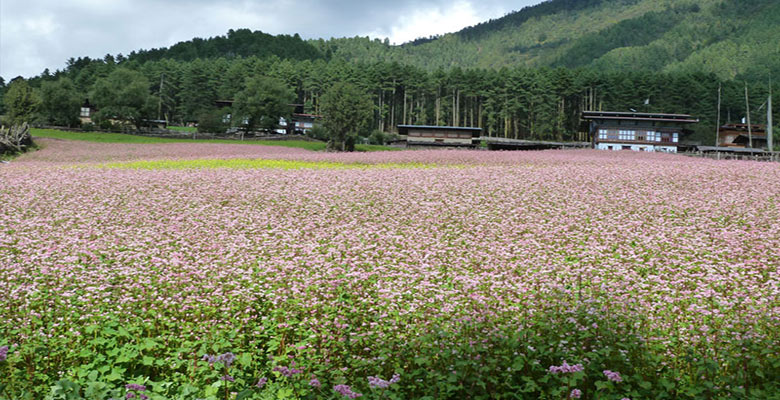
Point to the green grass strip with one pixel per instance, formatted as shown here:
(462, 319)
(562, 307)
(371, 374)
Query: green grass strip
(187, 129)
(101, 137)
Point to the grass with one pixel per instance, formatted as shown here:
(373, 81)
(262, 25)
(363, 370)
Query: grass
(187, 129)
(101, 137)
(257, 163)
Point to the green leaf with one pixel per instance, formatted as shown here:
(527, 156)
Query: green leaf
(148, 344)
(115, 375)
(96, 391)
(245, 359)
(284, 393)
(667, 385)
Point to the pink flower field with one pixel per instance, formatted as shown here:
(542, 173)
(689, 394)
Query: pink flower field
(459, 274)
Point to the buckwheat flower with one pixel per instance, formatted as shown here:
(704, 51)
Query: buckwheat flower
(613, 376)
(3, 353)
(625, 398)
(345, 390)
(226, 359)
(395, 379)
(135, 386)
(228, 378)
(130, 395)
(209, 358)
(575, 394)
(315, 383)
(566, 368)
(375, 382)
(261, 382)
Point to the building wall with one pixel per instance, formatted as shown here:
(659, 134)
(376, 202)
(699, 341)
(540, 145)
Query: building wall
(636, 147)
(434, 140)
(439, 136)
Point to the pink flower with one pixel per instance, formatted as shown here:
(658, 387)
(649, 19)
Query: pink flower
(613, 376)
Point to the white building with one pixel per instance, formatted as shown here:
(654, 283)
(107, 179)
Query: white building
(651, 132)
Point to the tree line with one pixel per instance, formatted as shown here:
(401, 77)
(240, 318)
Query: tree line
(520, 103)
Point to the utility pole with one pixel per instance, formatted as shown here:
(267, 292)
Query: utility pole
(747, 108)
(717, 124)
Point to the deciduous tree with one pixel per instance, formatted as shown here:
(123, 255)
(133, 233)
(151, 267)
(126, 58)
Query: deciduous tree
(124, 95)
(262, 102)
(60, 102)
(20, 102)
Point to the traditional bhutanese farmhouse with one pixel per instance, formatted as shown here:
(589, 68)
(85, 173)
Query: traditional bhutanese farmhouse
(450, 136)
(301, 122)
(611, 130)
(737, 135)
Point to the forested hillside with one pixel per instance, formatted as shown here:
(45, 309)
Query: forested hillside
(733, 39)
(528, 75)
(237, 43)
(730, 38)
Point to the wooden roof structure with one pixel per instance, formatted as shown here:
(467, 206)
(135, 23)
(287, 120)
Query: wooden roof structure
(639, 116)
(404, 129)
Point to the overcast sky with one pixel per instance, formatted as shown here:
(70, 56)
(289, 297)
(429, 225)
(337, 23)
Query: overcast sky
(38, 34)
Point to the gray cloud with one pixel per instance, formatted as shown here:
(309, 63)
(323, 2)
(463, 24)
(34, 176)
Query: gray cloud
(38, 34)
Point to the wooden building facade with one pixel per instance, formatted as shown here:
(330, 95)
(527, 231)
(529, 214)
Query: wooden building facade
(653, 132)
(448, 136)
(737, 135)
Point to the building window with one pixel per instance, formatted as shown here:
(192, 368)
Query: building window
(85, 111)
(675, 137)
(653, 136)
(626, 135)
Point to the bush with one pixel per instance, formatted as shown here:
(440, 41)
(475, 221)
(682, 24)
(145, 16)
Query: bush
(380, 138)
(318, 132)
(212, 122)
(106, 125)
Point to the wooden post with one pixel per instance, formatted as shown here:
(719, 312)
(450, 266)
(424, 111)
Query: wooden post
(769, 138)
(717, 126)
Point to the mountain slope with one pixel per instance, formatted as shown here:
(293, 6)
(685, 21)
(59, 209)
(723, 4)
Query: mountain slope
(732, 38)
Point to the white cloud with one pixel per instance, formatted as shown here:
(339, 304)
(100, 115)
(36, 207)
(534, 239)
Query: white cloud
(38, 34)
(428, 21)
